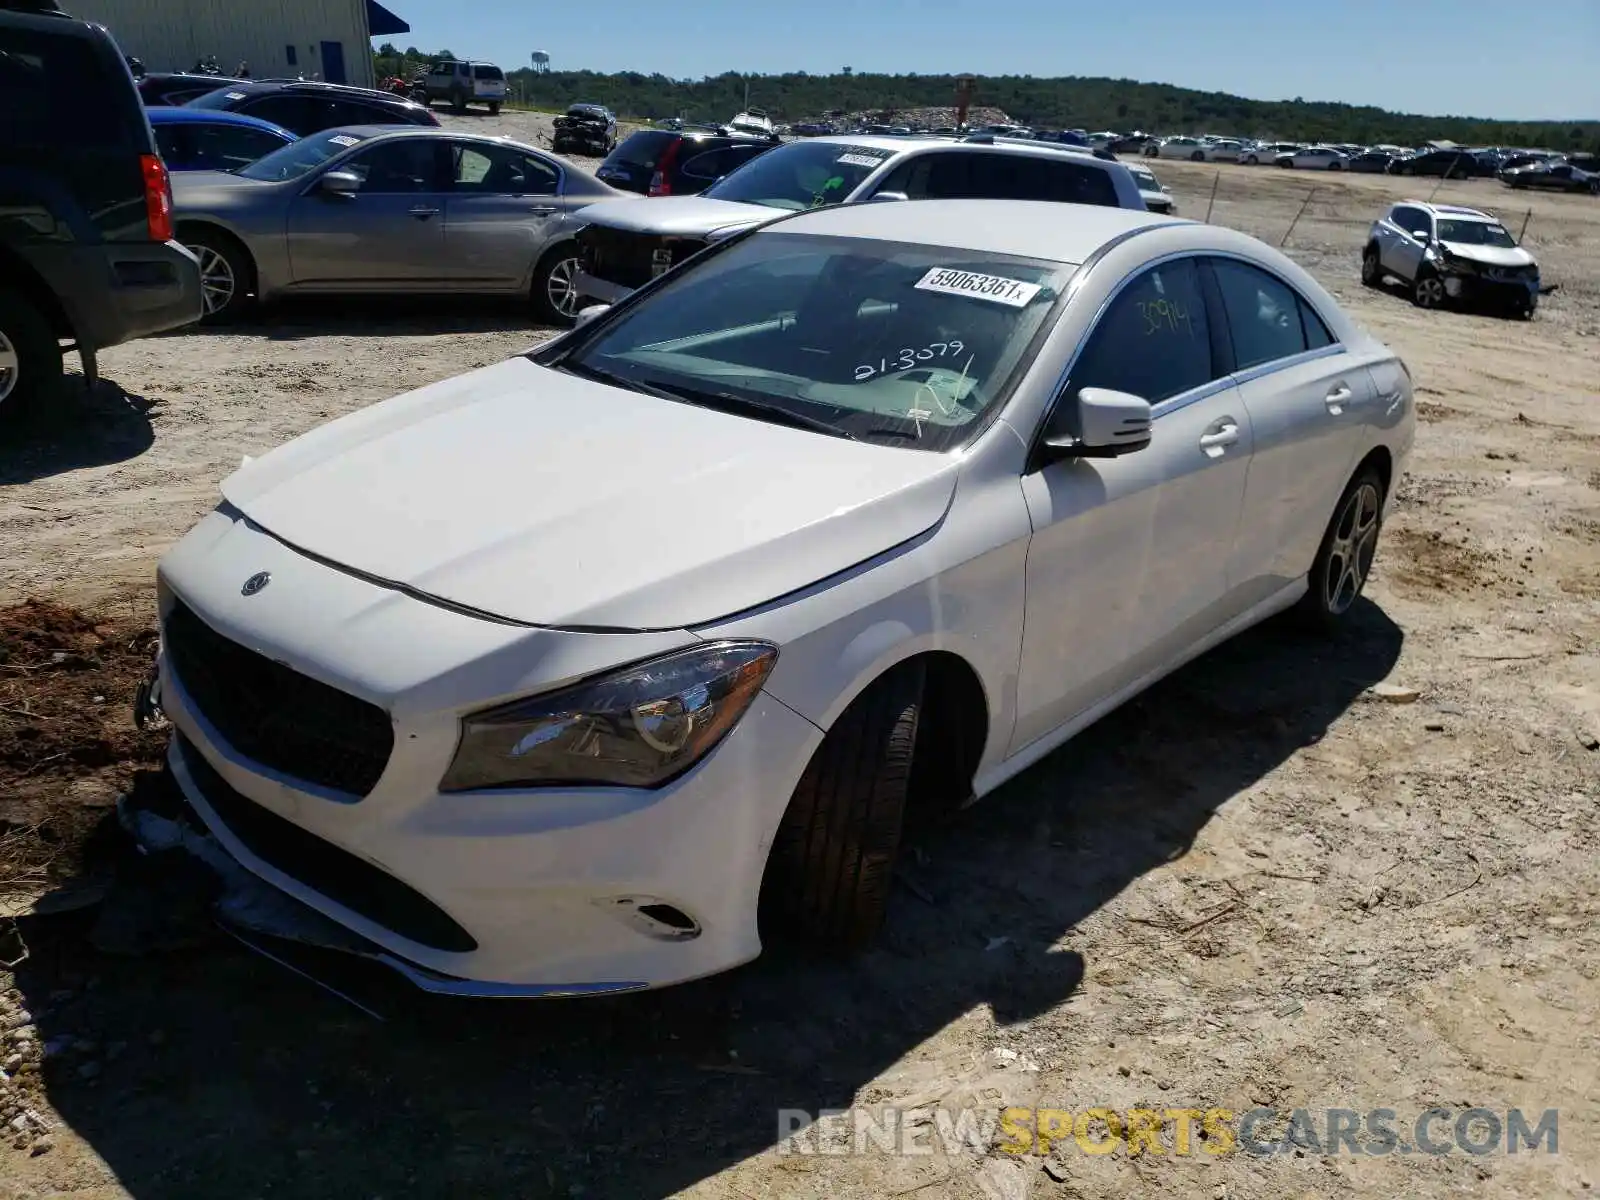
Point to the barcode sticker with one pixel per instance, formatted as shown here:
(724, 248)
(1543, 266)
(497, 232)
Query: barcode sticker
(1011, 292)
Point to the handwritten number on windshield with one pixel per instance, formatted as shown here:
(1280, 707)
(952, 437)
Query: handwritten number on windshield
(907, 358)
(1165, 316)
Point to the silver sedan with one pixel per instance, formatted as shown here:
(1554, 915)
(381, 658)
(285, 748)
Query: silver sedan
(374, 208)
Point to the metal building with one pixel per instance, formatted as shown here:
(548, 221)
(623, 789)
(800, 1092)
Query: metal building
(326, 39)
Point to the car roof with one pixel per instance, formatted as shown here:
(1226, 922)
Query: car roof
(1451, 210)
(1027, 228)
(167, 114)
(255, 87)
(368, 132)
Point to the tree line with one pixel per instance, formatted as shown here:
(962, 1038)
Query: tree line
(1124, 105)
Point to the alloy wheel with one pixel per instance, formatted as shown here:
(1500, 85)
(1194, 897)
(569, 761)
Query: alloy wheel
(216, 279)
(1430, 291)
(10, 366)
(561, 288)
(1355, 540)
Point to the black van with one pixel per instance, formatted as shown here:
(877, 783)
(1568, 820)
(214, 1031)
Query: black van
(86, 249)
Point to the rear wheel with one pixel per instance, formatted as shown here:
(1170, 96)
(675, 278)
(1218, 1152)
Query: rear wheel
(30, 354)
(458, 102)
(1371, 267)
(1197, 156)
(494, 108)
(832, 862)
(1344, 559)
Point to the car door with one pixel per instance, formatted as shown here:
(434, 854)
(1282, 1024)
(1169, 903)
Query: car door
(1308, 401)
(388, 234)
(504, 207)
(1127, 565)
(1402, 246)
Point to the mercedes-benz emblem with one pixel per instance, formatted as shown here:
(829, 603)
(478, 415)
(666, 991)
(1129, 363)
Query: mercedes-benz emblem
(255, 583)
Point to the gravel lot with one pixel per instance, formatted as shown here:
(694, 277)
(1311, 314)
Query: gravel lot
(1261, 884)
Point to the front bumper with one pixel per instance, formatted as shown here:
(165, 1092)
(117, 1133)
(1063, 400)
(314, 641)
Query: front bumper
(1474, 286)
(601, 291)
(545, 886)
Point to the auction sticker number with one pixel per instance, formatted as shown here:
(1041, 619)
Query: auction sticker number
(907, 358)
(858, 160)
(1011, 292)
(344, 139)
(1165, 316)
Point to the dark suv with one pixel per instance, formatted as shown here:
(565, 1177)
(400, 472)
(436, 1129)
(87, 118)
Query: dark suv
(173, 88)
(663, 162)
(86, 249)
(303, 107)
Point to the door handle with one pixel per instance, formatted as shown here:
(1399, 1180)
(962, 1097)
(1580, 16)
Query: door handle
(542, 210)
(1335, 400)
(422, 214)
(1223, 436)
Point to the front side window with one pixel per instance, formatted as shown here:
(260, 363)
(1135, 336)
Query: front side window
(1153, 341)
(1264, 322)
(230, 147)
(887, 342)
(800, 175)
(402, 166)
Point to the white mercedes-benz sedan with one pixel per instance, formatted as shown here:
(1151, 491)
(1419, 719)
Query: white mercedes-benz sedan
(586, 671)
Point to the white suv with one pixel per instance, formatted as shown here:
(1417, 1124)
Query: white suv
(463, 83)
(1446, 253)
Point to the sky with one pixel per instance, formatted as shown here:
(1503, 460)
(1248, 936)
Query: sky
(1539, 59)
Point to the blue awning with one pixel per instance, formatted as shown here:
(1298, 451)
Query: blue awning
(383, 23)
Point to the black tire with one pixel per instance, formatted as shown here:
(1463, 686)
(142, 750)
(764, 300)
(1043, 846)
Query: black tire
(546, 297)
(222, 256)
(1335, 166)
(30, 355)
(832, 862)
(494, 108)
(1525, 311)
(458, 102)
(1427, 289)
(1344, 560)
(1198, 156)
(1371, 267)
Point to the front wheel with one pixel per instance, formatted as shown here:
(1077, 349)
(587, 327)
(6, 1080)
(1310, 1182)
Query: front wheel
(494, 108)
(458, 102)
(1197, 156)
(1344, 560)
(30, 354)
(1428, 290)
(832, 861)
(555, 286)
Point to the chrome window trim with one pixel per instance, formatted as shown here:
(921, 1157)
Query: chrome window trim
(1262, 370)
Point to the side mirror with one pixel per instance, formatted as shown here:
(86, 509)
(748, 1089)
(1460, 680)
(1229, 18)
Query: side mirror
(1102, 424)
(1422, 235)
(340, 183)
(587, 314)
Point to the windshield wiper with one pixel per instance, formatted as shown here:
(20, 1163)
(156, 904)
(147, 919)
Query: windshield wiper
(601, 375)
(732, 402)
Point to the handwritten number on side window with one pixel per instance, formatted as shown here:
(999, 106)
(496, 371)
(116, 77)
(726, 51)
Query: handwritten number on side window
(1165, 316)
(905, 359)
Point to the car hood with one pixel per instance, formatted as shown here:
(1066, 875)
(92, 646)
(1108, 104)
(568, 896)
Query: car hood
(1494, 256)
(678, 216)
(536, 496)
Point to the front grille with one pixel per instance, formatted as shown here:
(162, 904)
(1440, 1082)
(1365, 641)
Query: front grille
(337, 874)
(274, 715)
(627, 258)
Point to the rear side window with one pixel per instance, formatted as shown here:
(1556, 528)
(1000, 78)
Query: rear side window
(1318, 334)
(1264, 320)
(56, 91)
(494, 74)
(644, 149)
(704, 168)
(1153, 340)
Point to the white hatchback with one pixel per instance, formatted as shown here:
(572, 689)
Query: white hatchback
(585, 671)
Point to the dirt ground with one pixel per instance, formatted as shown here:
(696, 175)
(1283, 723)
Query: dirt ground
(1261, 884)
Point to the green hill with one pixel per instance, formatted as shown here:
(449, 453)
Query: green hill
(1067, 102)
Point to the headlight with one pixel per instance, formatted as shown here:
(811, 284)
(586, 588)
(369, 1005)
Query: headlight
(640, 726)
